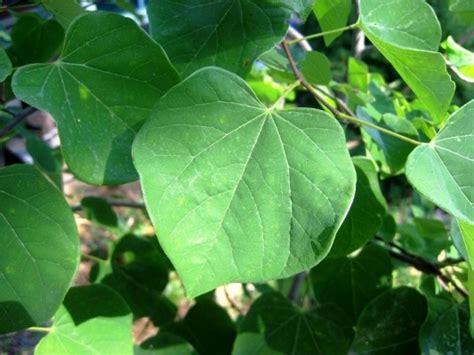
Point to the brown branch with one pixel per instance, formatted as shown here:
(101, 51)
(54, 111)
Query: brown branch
(17, 119)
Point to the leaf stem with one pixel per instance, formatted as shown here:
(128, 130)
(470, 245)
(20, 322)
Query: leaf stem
(93, 258)
(14, 7)
(338, 114)
(16, 121)
(285, 94)
(40, 329)
(322, 34)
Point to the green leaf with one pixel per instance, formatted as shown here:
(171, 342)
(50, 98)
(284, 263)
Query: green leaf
(460, 59)
(140, 274)
(390, 323)
(100, 91)
(391, 152)
(463, 8)
(463, 238)
(358, 74)
(5, 65)
(239, 192)
(352, 282)
(34, 40)
(226, 33)
(442, 169)
(64, 11)
(425, 237)
(99, 211)
(316, 68)
(365, 216)
(331, 15)
(94, 319)
(449, 333)
(40, 248)
(302, 7)
(274, 326)
(411, 46)
(207, 327)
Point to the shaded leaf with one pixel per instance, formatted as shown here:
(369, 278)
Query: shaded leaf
(5, 65)
(164, 344)
(40, 248)
(365, 215)
(463, 238)
(352, 282)
(442, 170)
(390, 323)
(316, 68)
(331, 15)
(226, 33)
(411, 46)
(100, 92)
(274, 326)
(240, 195)
(99, 211)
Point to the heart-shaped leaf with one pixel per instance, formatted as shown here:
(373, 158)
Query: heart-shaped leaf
(274, 326)
(226, 33)
(40, 248)
(100, 91)
(408, 34)
(64, 11)
(442, 170)
(239, 192)
(5, 65)
(93, 320)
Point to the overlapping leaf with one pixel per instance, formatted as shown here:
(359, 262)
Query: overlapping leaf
(64, 11)
(408, 34)
(442, 170)
(275, 326)
(40, 248)
(239, 192)
(100, 91)
(5, 65)
(227, 33)
(331, 15)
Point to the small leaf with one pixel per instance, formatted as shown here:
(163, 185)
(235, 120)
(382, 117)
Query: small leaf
(302, 7)
(99, 211)
(448, 333)
(460, 59)
(5, 65)
(316, 68)
(331, 15)
(34, 40)
(64, 11)
(365, 216)
(463, 8)
(239, 192)
(391, 152)
(352, 282)
(40, 248)
(207, 327)
(442, 170)
(274, 326)
(411, 46)
(358, 74)
(390, 323)
(226, 33)
(100, 91)
(94, 319)
(164, 344)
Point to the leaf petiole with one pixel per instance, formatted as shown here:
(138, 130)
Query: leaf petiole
(285, 94)
(40, 329)
(322, 34)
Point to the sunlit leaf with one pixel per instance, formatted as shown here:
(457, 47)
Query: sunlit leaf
(331, 15)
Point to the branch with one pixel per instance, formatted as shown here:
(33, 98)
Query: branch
(298, 281)
(16, 121)
(419, 263)
(338, 114)
(116, 203)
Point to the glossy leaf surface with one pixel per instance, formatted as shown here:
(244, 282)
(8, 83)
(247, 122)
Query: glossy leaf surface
(239, 192)
(100, 91)
(40, 248)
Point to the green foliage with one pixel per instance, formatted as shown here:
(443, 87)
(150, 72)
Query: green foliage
(41, 248)
(280, 176)
(237, 171)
